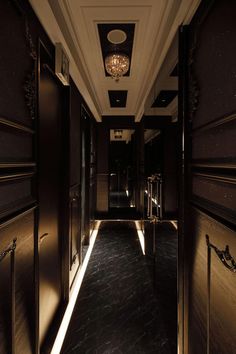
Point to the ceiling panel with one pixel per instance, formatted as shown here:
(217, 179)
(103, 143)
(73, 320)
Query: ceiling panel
(107, 47)
(153, 25)
(164, 98)
(117, 98)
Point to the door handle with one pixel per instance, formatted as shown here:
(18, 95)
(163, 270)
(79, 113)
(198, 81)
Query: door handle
(224, 255)
(43, 237)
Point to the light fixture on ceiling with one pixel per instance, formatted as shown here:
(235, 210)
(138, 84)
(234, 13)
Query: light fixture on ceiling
(118, 133)
(117, 65)
(116, 36)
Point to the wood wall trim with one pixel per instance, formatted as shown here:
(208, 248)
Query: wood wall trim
(216, 177)
(14, 176)
(215, 124)
(223, 165)
(18, 214)
(5, 165)
(223, 215)
(12, 124)
(206, 212)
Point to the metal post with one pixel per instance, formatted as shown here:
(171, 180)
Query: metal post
(161, 204)
(151, 199)
(148, 206)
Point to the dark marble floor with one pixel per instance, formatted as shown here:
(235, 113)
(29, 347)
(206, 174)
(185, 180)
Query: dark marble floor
(117, 310)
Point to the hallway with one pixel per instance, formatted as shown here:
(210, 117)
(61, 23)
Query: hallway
(117, 126)
(117, 310)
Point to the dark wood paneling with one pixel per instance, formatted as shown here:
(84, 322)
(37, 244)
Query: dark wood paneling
(74, 232)
(75, 122)
(216, 193)
(169, 168)
(216, 140)
(22, 229)
(198, 295)
(212, 296)
(85, 174)
(15, 147)
(222, 327)
(209, 117)
(13, 76)
(16, 192)
(214, 65)
(50, 199)
(7, 296)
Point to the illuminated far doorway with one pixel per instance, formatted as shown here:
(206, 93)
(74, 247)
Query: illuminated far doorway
(122, 169)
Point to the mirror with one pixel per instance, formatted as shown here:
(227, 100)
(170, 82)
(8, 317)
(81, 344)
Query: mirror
(122, 168)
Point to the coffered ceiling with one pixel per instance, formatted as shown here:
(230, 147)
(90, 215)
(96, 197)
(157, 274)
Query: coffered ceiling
(80, 26)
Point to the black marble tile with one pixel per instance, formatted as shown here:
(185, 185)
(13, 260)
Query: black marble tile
(117, 310)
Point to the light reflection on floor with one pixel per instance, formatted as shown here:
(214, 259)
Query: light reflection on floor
(69, 310)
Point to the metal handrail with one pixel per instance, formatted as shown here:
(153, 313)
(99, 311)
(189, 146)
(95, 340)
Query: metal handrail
(154, 182)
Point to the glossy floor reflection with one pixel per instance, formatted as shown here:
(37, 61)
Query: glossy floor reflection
(117, 310)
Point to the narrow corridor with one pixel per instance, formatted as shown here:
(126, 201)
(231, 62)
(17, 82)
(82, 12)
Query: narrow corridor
(117, 310)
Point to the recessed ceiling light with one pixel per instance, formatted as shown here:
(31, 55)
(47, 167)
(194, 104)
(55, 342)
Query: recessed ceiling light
(117, 100)
(116, 36)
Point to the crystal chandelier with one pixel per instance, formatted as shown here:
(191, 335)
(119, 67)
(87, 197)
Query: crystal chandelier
(117, 65)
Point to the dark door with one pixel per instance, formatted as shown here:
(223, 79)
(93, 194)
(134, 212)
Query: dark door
(50, 152)
(85, 176)
(207, 285)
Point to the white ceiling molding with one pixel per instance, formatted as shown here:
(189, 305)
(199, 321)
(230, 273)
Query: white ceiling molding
(48, 21)
(74, 24)
(164, 82)
(187, 9)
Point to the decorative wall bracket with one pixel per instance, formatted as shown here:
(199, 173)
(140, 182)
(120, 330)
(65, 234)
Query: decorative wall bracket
(224, 255)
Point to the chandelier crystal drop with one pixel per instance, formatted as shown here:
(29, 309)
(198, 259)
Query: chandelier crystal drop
(117, 65)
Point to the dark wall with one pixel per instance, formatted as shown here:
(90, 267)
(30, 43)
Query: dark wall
(161, 157)
(75, 126)
(208, 218)
(153, 156)
(170, 169)
(20, 33)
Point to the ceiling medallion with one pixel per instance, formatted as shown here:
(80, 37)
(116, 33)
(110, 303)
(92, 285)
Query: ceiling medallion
(117, 65)
(116, 36)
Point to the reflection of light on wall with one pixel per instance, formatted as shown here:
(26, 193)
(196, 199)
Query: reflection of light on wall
(140, 236)
(175, 224)
(127, 192)
(70, 307)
